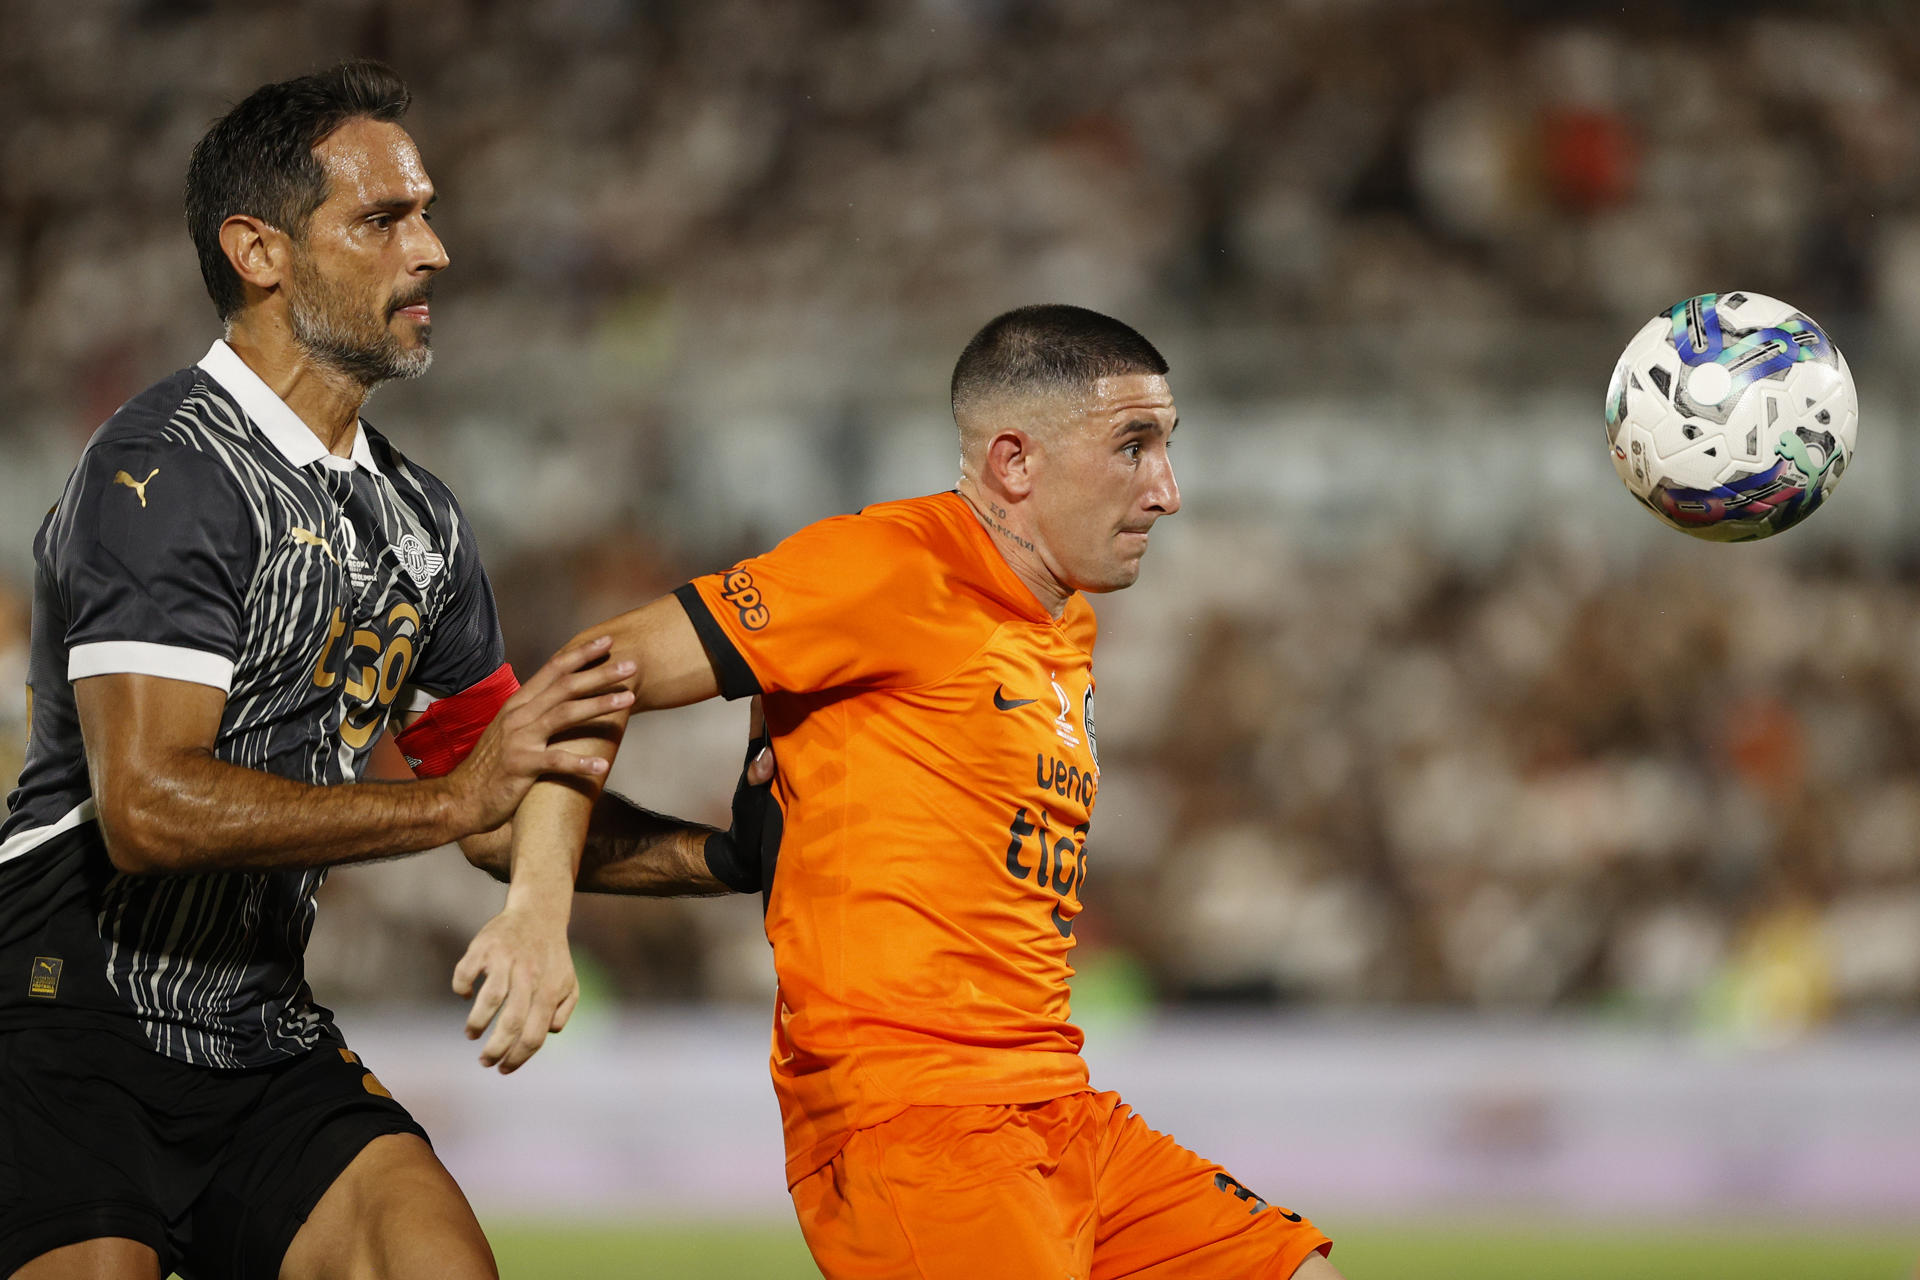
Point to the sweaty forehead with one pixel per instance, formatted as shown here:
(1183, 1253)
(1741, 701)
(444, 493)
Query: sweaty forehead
(370, 161)
(1146, 393)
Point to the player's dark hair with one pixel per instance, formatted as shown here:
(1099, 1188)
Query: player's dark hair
(258, 159)
(1049, 347)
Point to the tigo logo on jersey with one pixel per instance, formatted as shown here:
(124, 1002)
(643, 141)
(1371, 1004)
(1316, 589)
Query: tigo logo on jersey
(45, 980)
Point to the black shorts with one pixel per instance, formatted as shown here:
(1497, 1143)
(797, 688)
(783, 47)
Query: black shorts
(215, 1170)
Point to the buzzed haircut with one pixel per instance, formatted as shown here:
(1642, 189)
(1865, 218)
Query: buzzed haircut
(1045, 349)
(258, 159)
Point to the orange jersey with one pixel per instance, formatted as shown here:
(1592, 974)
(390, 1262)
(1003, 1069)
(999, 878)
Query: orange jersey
(934, 728)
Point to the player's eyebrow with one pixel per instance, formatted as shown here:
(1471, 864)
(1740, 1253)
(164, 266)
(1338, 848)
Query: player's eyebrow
(398, 204)
(1144, 426)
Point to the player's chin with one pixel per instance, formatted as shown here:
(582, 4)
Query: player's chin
(411, 360)
(1118, 576)
(409, 332)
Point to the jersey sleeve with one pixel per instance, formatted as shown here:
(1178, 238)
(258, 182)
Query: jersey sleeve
(850, 602)
(155, 546)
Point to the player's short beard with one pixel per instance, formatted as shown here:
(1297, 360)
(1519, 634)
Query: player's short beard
(331, 325)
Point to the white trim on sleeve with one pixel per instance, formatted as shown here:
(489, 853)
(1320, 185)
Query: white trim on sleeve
(413, 699)
(28, 841)
(116, 657)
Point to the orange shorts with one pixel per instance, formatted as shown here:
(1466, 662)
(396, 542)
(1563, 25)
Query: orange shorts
(1078, 1188)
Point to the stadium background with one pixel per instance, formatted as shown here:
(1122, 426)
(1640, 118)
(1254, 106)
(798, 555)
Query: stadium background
(1480, 866)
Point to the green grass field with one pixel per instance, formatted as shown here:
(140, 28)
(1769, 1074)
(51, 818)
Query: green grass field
(1364, 1252)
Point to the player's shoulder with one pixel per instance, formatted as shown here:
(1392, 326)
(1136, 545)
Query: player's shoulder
(935, 525)
(904, 533)
(178, 422)
(153, 418)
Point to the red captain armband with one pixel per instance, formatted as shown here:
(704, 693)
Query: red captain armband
(440, 739)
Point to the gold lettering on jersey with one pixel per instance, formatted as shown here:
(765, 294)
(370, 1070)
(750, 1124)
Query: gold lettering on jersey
(360, 685)
(308, 538)
(375, 683)
(324, 673)
(44, 984)
(138, 486)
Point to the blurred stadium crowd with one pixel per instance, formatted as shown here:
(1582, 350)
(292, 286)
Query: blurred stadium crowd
(712, 261)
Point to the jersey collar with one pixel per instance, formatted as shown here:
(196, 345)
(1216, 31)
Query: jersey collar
(279, 424)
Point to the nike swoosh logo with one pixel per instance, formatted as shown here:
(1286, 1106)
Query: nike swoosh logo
(1006, 703)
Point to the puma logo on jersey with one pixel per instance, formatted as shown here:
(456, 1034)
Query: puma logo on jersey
(138, 486)
(307, 537)
(45, 979)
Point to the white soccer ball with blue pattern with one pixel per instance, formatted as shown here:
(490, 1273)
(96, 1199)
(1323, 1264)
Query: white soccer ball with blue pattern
(1731, 416)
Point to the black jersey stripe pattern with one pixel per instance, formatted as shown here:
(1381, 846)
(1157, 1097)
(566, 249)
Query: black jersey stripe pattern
(330, 589)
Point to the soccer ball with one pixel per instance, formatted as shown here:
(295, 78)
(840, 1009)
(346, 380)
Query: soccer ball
(1731, 416)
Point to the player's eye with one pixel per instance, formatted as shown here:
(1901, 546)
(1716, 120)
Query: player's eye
(381, 221)
(1132, 451)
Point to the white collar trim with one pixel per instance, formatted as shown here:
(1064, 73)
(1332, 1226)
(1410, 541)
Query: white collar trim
(281, 426)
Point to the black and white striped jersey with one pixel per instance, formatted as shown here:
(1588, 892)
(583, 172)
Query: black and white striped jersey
(207, 536)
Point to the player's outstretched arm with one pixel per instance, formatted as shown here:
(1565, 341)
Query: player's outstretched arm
(632, 850)
(167, 804)
(519, 960)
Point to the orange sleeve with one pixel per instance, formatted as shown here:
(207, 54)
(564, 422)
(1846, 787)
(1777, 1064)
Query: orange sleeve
(849, 602)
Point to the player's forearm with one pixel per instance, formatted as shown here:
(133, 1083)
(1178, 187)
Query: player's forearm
(550, 828)
(633, 850)
(629, 850)
(566, 833)
(549, 833)
(202, 814)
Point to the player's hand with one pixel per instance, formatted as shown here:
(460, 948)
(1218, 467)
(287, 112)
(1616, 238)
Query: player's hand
(734, 856)
(759, 762)
(527, 986)
(569, 691)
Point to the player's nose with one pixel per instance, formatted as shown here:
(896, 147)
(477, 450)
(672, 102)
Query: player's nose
(429, 254)
(1163, 495)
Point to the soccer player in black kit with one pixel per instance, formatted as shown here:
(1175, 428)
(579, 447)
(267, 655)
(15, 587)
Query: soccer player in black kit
(241, 586)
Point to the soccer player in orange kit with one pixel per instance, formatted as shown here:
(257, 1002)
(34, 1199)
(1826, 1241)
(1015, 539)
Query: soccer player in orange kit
(927, 673)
